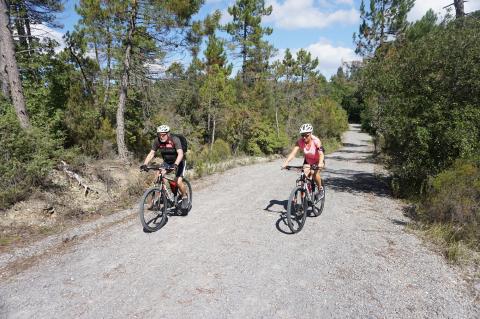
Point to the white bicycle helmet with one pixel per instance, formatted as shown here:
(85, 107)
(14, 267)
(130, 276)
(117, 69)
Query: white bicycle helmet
(163, 129)
(306, 128)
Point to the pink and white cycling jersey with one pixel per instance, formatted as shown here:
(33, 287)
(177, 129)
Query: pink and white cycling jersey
(311, 150)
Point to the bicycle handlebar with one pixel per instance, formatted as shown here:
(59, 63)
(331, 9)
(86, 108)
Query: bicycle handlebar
(159, 167)
(313, 167)
(293, 167)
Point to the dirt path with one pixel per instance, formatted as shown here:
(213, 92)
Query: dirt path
(229, 258)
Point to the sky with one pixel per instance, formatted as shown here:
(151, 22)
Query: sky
(322, 27)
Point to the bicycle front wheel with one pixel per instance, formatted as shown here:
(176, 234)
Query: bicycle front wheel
(296, 210)
(153, 209)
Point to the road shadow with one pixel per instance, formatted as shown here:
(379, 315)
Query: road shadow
(280, 207)
(339, 158)
(353, 145)
(360, 160)
(358, 182)
(353, 152)
(282, 225)
(347, 172)
(399, 222)
(154, 231)
(276, 202)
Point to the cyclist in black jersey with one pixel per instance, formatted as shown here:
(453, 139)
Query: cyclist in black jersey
(170, 148)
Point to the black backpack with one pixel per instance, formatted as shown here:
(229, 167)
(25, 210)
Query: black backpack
(184, 142)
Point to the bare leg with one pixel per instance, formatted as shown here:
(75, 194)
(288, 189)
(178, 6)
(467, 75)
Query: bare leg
(181, 186)
(317, 179)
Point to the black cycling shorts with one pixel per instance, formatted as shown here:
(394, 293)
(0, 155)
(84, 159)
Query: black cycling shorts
(305, 162)
(181, 169)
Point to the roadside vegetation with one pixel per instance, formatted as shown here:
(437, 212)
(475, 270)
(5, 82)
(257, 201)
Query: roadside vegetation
(417, 91)
(98, 100)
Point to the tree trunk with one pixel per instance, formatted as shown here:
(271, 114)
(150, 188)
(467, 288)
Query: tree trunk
(244, 53)
(22, 38)
(208, 124)
(459, 8)
(109, 74)
(3, 74)
(8, 52)
(213, 132)
(122, 148)
(29, 31)
(382, 24)
(276, 120)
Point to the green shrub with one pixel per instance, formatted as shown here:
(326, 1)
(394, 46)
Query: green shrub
(454, 199)
(27, 157)
(220, 151)
(263, 140)
(331, 145)
(203, 159)
(329, 119)
(423, 98)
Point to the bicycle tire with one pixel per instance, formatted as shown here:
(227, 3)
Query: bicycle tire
(296, 210)
(153, 216)
(317, 207)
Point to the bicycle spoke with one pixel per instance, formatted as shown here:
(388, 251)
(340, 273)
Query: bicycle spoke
(296, 210)
(152, 209)
(320, 202)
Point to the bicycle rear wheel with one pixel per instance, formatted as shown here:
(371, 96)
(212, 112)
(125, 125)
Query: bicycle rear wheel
(153, 209)
(296, 210)
(181, 211)
(320, 203)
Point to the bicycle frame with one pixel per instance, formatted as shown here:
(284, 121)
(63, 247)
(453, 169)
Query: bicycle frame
(304, 192)
(160, 181)
(162, 200)
(307, 184)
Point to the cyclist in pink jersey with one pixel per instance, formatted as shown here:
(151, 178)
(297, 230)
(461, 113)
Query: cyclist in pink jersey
(312, 149)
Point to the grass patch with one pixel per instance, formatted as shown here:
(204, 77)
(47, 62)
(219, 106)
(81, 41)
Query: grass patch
(46, 230)
(209, 168)
(6, 239)
(446, 240)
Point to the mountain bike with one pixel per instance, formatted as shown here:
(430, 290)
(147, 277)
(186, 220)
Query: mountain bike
(162, 200)
(304, 195)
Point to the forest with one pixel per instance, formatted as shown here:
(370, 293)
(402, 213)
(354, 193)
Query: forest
(416, 90)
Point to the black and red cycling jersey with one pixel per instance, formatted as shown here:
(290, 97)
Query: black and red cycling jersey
(168, 149)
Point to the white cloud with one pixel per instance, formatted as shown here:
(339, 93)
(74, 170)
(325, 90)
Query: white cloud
(226, 17)
(42, 32)
(421, 7)
(156, 68)
(350, 2)
(330, 57)
(293, 14)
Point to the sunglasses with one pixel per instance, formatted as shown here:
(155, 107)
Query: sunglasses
(306, 135)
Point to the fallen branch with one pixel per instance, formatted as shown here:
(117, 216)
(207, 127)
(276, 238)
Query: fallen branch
(77, 177)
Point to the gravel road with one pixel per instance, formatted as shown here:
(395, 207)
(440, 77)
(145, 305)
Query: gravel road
(231, 257)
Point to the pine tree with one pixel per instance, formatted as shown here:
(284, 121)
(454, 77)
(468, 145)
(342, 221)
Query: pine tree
(10, 62)
(143, 32)
(385, 20)
(247, 33)
(306, 65)
(459, 8)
